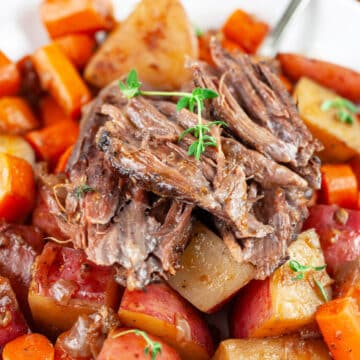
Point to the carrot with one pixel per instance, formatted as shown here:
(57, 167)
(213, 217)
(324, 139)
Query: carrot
(17, 187)
(59, 76)
(287, 83)
(16, 116)
(339, 322)
(245, 30)
(50, 142)
(78, 48)
(50, 111)
(204, 47)
(339, 185)
(61, 165)
(344, 81)
(63, 17)
(9, 76)
(230, 45)
(29, 347)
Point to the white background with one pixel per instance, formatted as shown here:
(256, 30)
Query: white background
(328, 29)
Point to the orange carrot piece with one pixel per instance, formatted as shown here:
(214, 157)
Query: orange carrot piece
(204, 47)
(9, 77)
(17, 188)
(245, 30)
(29, 347)
(344, 81)
(339, 185)
(63, 17)
(78, 48)
(339, 322)
(16, 116)
(59, 76)
(61, 165)
(231, 46)
(50, 142)
(287, 83)
(50, 111)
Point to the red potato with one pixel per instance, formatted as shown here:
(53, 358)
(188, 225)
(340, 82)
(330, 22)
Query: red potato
(159, 310)
(339, 232)
(206, 279)
(285, 347)
(271, 307)
(12, 323)
(132, 347)
(65, 285)
(20, 244)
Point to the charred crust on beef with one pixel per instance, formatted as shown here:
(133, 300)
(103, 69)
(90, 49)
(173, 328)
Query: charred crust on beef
(254, 187)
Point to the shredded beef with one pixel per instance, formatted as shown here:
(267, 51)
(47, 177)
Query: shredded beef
(143, 186)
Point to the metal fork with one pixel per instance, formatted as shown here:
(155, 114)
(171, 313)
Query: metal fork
(270, 45)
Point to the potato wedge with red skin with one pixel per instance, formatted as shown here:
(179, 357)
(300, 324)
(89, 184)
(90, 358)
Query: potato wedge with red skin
(339, 232)
(20, 244)
(12, 322)
(132, 347)
(285, 347)
(161, 311)
(206, 279)
(271, 307)
(65, 285)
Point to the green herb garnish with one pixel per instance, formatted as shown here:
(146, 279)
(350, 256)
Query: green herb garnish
(192, 101)
(302, 269)
(322, 290)
(198, 31)
(152, 347)
(346, 110)
(82, 189)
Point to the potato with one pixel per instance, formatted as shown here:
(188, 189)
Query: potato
(155, 40)
(17, 146)
(341, 141)
(282, 304)
(65, 285)
(286, 347)
(131, 347)
(209, 275)
(160, 311)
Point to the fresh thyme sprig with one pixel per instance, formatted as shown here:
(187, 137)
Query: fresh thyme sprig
(82, 189)
(152, 347)
(302, 269)
(346, 110)
(192, 101)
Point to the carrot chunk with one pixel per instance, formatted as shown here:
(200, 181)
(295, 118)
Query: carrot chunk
(63, 17)
(344, 81)
(51, 113)
(9, 76)
(78, 48)
(16, 116)
(61, 165)
(245, 30)
(17, 187)
(231, 46)
(29, 347)
(339, 185)
(50, 142)
(339, 322)
(59, 76)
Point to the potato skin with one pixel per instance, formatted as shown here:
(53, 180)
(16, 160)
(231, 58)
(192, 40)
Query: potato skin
(154, 40)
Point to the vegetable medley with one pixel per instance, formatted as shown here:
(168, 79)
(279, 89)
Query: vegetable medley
(207, 292)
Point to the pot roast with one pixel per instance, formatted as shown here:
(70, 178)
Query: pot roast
(132, 191)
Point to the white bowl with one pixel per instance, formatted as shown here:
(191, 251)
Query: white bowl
(327, 29)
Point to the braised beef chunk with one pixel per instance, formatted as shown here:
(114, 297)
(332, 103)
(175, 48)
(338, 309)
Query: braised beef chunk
(131, 189)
